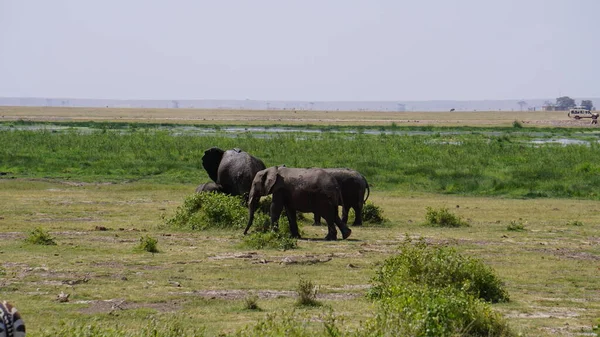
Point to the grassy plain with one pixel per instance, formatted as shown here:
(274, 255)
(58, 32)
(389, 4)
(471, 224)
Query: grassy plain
(98, 211)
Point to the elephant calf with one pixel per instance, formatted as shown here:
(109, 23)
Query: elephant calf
(353, 186)
(295, 189)
(209, 187)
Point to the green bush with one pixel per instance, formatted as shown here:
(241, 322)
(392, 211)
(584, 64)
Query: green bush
(168, 328)
(443, 218)
(39, 236)
(251, 302)
(516, 226)
(270, 239)
(147, 244)
(201, 211)
(307, 294)
(373, 214)
(517, 125)
(439, 267)
(575, 223)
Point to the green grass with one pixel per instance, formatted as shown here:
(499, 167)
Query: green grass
(470, 164)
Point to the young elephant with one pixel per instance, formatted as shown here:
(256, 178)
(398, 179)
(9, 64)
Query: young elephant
(353, 186)
(305, 190)
(209, 187)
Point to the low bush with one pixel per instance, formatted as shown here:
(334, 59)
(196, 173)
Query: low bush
(439, 267)
(307, 294)
(251, 302)
(372, 214)
(270, 239)
(147, 244)
(40, 236)
(168, 328)
(201, 211)
(516, 226)
(575, 223)
(443, 218)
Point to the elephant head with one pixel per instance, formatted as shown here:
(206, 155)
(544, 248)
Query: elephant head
(263, 184)
(209, 187)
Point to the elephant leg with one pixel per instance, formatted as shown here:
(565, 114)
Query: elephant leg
(317, 220)
(331, 231)
(343, 227)
(358, 215)
(275, 210)
(291, 215)
(345, 214)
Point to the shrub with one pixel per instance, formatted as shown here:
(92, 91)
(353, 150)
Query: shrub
(517, 125)
(39, 236)
(421, 310)
(575, 223)
(147, 244)
(517, 226)
(307, 294)
(201, 211)
(372, 213)
(439, 267)
(251, 302)
(443, 218)
(270, 239)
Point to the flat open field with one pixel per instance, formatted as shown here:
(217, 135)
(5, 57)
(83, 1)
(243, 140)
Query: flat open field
(257, 117)
(99, 193)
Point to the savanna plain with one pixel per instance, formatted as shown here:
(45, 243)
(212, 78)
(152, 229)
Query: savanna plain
(102, 185)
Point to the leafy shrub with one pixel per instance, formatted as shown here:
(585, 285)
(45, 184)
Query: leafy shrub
(201, 211)
(372, 213)
(517, 226)
(39, 236)
(307, 294)
(251, 302)
(439, 267)
(270, 239)
(421, 310)
(147, 244)
(575, 223)
(517, 125)
(443, 218)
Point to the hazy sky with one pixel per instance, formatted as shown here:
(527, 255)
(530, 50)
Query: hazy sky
(300, 49)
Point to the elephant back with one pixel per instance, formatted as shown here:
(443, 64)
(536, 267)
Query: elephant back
(237, 170)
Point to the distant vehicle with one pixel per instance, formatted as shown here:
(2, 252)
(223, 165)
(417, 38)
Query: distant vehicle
(579, 112)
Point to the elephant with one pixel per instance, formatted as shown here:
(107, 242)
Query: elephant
(353, 186)
(209, 187)
(298, 189)
(233, 169)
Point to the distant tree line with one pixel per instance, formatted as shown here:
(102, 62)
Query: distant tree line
(566, 103)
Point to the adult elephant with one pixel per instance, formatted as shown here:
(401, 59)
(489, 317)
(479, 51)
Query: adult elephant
(233, 169)
(296, 189)
(209, 187)
(353, 186)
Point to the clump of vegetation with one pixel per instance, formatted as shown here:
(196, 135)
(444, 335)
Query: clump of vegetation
(147, 244)
(372, 214)
(516, 226)
(270, 239)
(434, 291)
(443, 218)
(201, 211)
(575, 223)
(517, 125)
(40, 236)
(438, 267)
(307, 294)
(251, 302)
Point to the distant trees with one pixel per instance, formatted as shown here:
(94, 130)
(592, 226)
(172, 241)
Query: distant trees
(564, 103)
(522, 104)
(588, 104)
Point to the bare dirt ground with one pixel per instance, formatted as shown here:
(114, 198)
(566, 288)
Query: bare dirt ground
(260, 117)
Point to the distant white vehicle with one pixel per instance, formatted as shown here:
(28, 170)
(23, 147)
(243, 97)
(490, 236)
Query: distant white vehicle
(579, 112)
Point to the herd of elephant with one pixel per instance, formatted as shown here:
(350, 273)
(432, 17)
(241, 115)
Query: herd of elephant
(309, 190)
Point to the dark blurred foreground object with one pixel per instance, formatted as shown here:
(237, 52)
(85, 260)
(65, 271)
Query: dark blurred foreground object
(11, 324)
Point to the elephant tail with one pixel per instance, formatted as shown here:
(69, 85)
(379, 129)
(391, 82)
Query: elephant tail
(368, 190)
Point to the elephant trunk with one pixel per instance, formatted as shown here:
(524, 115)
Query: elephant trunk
(252, 204)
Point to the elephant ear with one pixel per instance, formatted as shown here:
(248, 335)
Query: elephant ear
(270, 180)
(211, 160)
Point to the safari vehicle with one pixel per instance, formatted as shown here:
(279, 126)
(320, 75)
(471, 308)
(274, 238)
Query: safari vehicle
(579, 112)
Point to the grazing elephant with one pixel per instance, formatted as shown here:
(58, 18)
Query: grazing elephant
(233, 169)
(305, 190)
(209, 187)
(353, 186)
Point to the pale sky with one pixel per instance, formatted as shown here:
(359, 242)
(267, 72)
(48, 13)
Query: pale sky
(314, 50)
